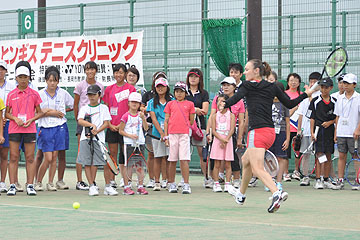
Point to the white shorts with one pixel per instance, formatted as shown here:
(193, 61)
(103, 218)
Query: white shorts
(179, 147)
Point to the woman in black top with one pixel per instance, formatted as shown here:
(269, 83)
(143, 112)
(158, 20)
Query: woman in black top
(259, 95)
(200, 97)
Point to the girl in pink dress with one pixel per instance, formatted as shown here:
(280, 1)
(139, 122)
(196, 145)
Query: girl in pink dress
(222, 147)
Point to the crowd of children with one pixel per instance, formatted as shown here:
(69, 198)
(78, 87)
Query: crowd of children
(129, 111)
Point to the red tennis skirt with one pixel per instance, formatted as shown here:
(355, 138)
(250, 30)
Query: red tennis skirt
(261, 138)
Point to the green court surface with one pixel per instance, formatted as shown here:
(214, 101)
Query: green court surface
(307, 214)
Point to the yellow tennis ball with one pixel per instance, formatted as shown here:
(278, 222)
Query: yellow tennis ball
(76, 205)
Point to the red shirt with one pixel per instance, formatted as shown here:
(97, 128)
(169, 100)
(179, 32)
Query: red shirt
(117, 99)
(23, 105)
(177, 122)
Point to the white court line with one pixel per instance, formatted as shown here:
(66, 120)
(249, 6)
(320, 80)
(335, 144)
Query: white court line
(186, 218)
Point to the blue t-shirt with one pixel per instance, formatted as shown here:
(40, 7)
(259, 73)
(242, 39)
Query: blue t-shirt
(159, 113)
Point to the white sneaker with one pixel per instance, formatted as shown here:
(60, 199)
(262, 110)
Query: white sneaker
(227, 186)
(163, 183)
(355, 188)
(121, 184)
(236, 183)
(113, 184)
(82, 186)
(157, 187)
(186, 189)
(253, 182)
(329, 185)
(50, 187)
(208, 183)
(340, 185)
(319, 184)
(181, 183)
(217, 187)
(172, 188)
(39, 186)
(109, 191)
(30, 190)
(19, 188)
(295, 175)
(287, 177)
(239, 198)
(61, 185)
(151, 183)
(305, 181)
(12, 190)
(93, 191)
(3, 187)
(231, 190)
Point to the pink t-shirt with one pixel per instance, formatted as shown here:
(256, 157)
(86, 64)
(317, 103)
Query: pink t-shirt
(177, 118)
(237, 108)
(117, 99)
(23, 104)
(294, 118)
(81, 90)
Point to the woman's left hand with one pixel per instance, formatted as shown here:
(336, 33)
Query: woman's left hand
(285, 145)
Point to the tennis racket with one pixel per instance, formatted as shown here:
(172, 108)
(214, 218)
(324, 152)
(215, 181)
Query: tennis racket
(334, 64)
(136, 166)
(307, 160)
(352, 171)
(110, 161)
(271, 163)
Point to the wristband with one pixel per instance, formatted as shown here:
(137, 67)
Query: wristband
(208, 134)
(166, 138)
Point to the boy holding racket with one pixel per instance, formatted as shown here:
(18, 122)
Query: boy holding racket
(322, 116)
(90, 154)
(347, 123)
(131, 128)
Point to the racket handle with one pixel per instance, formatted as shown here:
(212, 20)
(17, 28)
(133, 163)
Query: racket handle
(314, 87)
(356, 144)
(316, 130)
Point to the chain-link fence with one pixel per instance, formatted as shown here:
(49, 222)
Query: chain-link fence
(297, 37)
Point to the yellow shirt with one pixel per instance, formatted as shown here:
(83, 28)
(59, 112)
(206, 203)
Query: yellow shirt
(2, 105)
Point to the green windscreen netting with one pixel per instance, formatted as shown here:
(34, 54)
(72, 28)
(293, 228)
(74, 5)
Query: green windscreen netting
(225, 43)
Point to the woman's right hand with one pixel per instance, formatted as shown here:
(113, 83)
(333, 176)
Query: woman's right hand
(308, 90)
(113, 128)
(18, 121)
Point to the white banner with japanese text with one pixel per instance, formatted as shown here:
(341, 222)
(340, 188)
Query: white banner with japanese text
(69, 55)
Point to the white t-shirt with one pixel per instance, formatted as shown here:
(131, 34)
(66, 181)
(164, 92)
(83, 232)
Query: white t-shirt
(336, 95)
(59, 102)
(7, 87)
(348, 112)
(133, 125)
(99, 114)
(304, 111)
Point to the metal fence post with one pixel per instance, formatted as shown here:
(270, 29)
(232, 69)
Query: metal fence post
(19, 11)
(291, 46)
(59, 33)
(166, 46)
(343, 14)
(110, 30)
(205, 58)
(132, 3)
(82, 18)
(333, 24)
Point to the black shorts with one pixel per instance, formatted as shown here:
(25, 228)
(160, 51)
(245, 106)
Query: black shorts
(292, 135)
(113, 137)
(325, 140)
(79, 129)
(26, 137)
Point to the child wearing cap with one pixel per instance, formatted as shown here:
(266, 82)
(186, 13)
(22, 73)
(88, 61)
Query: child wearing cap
(347, 124)
(179, 116)
(322, 116)
(156, 107)
(90, 153)
(22, 109)
(5, 88)
(53, 133)
(80, 100)
(131, 128)
(116, 99)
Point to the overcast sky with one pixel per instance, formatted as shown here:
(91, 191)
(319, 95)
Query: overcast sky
(12, 5)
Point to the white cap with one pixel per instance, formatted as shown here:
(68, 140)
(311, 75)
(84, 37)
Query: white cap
(135, 97)
(3, 64)
(22, 70)
(229, 80)
(350, 78)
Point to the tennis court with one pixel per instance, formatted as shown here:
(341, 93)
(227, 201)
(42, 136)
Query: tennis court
(308, 214)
